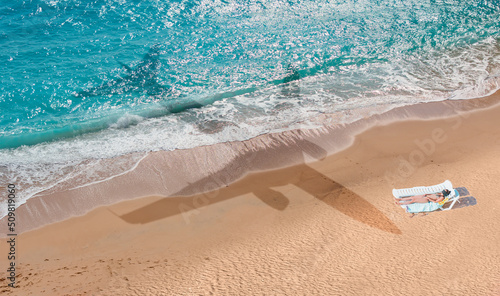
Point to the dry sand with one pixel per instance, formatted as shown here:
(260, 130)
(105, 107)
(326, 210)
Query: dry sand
(324, 228)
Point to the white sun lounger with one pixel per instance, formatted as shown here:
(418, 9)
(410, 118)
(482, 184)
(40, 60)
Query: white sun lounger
(429, 206)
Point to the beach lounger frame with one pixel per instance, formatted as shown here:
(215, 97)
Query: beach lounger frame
(406, 192)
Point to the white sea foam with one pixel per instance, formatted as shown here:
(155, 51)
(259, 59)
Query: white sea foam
(127, 120)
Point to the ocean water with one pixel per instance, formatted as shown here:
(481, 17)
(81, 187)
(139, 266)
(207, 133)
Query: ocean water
(84, 82)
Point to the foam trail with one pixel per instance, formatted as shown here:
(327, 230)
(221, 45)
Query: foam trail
(114, 176)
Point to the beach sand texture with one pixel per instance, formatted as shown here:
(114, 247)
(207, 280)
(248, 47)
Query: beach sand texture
(323, 227)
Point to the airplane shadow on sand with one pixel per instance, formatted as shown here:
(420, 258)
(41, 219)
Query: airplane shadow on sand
(303, 176)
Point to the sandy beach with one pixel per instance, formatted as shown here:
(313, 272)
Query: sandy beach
(325, 226)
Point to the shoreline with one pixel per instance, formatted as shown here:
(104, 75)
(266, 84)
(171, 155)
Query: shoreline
(325, 227)
(265, 152)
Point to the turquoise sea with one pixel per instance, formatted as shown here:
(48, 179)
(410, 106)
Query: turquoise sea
(87, 81)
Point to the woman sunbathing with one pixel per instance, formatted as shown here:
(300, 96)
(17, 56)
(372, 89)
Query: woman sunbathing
(437, 197)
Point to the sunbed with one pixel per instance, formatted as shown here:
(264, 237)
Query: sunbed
(429, 206)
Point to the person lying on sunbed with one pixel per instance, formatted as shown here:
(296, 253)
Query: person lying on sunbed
(435, 197)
